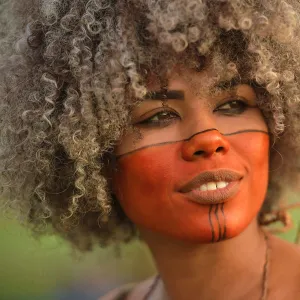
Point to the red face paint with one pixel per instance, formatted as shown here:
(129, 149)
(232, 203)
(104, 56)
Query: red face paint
(149, 180)
(151, 173)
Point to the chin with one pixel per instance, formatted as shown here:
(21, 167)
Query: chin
(198, 230)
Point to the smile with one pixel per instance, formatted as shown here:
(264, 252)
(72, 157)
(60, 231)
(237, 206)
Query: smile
(213, 192)
(211, 186)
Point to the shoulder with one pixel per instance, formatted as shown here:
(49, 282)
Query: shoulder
(285, 252)
(141, 289)
(284, 269)
(115, 293)
(136, 290)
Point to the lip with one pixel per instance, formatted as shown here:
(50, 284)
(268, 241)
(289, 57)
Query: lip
(192, 191)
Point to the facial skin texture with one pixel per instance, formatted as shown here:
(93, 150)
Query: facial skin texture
(197, 135)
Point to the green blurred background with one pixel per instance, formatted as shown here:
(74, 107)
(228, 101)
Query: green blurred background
(49, 269)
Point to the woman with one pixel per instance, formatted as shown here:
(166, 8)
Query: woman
(177, 120)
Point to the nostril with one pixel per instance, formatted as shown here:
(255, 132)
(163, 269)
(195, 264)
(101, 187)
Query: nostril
(199, 152)
(205, 145)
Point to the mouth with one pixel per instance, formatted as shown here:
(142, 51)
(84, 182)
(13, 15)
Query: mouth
(213, 187)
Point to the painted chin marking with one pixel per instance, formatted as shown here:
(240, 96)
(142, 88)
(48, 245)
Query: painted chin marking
(217, 212)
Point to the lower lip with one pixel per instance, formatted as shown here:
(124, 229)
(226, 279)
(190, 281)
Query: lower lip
(215, 196)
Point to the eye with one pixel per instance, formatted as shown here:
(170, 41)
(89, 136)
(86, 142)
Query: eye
(233, 107)
(161, 118)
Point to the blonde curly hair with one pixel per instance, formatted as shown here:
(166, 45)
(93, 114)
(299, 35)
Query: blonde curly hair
(70, 67)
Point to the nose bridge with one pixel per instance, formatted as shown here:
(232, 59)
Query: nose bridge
(200, 122)
(202, 118)
(205, 143)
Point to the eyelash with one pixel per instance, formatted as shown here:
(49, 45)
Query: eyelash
(161, 123)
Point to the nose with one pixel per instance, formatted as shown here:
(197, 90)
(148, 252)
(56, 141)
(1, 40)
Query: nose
(204, 144)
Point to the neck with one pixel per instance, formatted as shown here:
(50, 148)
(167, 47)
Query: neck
(210, 271)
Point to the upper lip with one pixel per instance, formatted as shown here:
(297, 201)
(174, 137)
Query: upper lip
(211, 176)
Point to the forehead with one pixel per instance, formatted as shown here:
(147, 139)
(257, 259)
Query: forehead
(204, 83)
(180, 74)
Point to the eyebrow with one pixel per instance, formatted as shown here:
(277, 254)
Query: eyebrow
(228, 84)
(165, 95)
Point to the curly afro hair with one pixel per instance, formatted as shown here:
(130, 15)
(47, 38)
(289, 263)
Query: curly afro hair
(71, 71)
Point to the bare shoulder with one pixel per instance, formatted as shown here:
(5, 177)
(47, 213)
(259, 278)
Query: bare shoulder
(284, 251)
(115, 293)
(141, 289)
(284, 269)
(137, 290)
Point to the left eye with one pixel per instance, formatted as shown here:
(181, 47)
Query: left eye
(233, 107)
(160, 118)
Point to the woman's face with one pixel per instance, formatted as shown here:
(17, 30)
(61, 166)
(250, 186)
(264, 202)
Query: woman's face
(195, 165)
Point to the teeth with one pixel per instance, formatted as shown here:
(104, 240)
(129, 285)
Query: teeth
(221, 184)
(203, 187)
(211, 186)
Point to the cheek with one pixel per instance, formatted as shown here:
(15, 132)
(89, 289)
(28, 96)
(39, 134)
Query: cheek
(144, 180)
(254, 150)
(146, 183)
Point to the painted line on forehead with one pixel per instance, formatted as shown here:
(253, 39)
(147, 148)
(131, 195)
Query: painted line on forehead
(185, 140)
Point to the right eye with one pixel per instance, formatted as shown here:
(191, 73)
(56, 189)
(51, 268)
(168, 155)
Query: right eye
(160, 119)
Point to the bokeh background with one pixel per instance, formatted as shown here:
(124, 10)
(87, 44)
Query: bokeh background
(49, 269)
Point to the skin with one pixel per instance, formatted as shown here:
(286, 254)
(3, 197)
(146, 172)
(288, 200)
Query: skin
(233, 281)
(152, 167)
